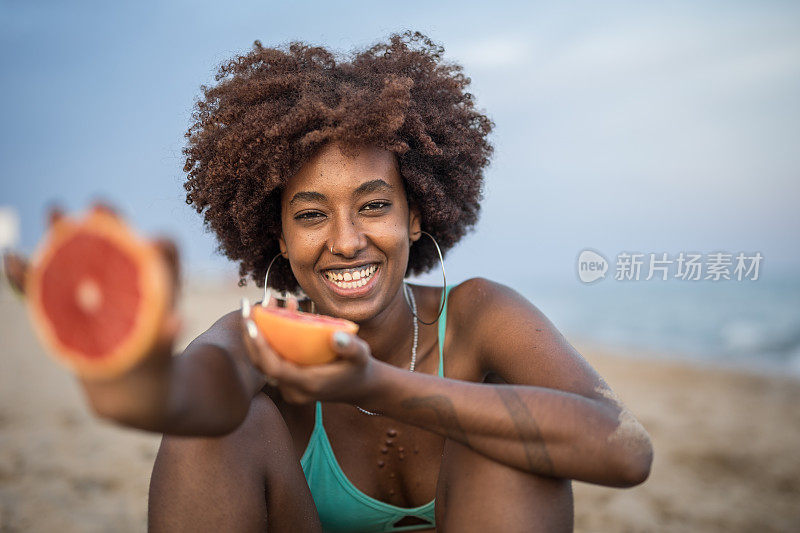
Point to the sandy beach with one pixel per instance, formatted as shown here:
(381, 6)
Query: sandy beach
(727, 443)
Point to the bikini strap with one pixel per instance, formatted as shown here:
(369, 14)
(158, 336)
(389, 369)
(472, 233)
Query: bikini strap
(317, 416)
(442, 329)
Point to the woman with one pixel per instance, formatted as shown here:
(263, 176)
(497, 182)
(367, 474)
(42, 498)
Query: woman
(338, 179)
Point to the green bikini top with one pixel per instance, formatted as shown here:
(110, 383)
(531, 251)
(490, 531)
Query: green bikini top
(341, 506)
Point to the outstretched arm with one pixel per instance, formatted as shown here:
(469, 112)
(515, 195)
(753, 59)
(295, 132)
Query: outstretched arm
(205, 391)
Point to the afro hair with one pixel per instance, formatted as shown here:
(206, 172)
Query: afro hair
(273, 108)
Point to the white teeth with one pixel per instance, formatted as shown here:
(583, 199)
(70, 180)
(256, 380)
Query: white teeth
(350, 280)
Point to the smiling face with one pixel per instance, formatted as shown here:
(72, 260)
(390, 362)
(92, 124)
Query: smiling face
(357, 207)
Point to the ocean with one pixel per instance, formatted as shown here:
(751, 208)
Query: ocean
(749, 324)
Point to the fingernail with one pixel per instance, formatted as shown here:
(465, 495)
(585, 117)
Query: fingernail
(272, 294)
(246, 307)
(251, 329)
(341, 339)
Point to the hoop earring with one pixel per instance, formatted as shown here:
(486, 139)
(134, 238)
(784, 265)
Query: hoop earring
(283, 295)
(444, 287)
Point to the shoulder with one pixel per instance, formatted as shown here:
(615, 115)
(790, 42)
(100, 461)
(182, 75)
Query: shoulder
(515, 342)
(475, 304)
(478, 300)
(481, 287)
(498, 321)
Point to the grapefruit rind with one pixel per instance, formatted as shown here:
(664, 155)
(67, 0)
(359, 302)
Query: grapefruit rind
(152, 282)
(303, 338)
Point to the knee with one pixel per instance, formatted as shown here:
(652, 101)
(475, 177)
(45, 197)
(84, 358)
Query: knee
(483, 493)
(214, 483)
(245, 444)
(254, 470)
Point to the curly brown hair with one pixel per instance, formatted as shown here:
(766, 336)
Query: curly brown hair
(272, 109)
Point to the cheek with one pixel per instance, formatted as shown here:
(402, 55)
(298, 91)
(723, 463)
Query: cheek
(390, 234)
(303, 249)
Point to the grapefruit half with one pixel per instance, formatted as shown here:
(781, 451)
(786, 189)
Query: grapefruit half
(304, 338)
(97, 294)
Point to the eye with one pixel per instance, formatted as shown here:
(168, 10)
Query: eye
(308, 215)
(377, 205)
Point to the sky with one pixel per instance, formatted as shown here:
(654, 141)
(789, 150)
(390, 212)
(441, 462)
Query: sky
(619, 126)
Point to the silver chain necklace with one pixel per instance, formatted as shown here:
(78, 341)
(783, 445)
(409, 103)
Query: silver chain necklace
(413, 345)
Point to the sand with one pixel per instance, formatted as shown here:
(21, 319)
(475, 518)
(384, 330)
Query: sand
(727, 443)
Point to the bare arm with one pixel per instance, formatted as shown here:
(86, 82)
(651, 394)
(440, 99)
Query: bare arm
(556, 417)
(535, 429)
(204, 391)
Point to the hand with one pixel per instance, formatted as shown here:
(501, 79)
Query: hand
(346, 379)
(17, 267)
(138, 396)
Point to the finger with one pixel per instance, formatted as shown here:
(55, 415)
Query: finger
(292, 303)
(102, 205)
(270, 362)
(258, 350)
(272, 365)
(271, 300)
(16, 269)
(248, 334)
(276, 370)
(169, 251)
(54, 214)
(250, 348)
(349, 346)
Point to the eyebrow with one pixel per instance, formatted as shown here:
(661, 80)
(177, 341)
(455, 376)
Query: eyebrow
(310, 196)
(366, 187)
(372, 186)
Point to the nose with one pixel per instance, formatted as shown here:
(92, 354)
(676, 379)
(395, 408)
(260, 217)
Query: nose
(347, 237)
